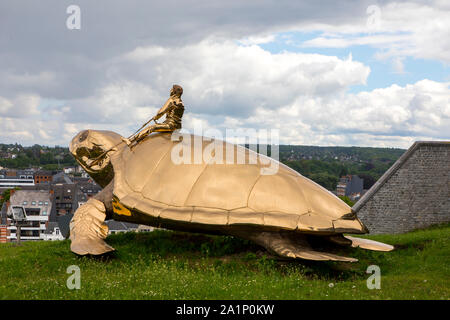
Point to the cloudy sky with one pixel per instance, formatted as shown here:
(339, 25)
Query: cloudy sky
(364, 73)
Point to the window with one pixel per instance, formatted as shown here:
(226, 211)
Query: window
(41, 203)
(18, 213)
(33, 211)
(25, 203)
(44, 213)
(46, 203)
(33, 203)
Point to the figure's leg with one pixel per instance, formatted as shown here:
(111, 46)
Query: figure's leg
(138, 137)
(159, 127)
(87, 228)
(141, 135)
(155, 128)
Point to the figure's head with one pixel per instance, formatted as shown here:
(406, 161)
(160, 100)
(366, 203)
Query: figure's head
(176, 91)
(87, 146)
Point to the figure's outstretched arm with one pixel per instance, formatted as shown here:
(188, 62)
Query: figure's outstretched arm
(165, 108)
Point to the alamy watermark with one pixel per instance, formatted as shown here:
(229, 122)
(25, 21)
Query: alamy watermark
(73, 21)
(213, 147)
(374, 281)
(373, 22)
(74, 280)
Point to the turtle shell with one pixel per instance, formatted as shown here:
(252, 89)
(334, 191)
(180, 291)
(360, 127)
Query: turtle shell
(150, 179)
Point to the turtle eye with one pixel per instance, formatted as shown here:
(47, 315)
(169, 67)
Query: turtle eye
(83, 136)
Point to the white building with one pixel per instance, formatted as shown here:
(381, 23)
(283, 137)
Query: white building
(52, 233)
(16, 178)
(69, 170)
(37, 206)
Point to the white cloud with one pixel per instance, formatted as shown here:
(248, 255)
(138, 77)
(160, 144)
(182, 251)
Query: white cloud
(398, 66)
(257, 39)
(5, 105)
(21, 106)
(419, 30)
(223, 78)
(304, 95)
(393, 116)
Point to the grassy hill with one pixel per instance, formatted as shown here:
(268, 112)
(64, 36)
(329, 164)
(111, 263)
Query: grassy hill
(173, 265)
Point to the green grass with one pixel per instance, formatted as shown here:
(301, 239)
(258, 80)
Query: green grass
(172, 265)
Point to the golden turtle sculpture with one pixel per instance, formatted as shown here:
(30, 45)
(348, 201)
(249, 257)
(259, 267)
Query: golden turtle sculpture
(282, 212)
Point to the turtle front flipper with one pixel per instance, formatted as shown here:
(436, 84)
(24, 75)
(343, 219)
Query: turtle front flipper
(88, 230)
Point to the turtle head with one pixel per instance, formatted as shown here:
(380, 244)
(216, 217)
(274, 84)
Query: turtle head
(89, 149)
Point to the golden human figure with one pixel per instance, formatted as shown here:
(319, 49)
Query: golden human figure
(173, 109)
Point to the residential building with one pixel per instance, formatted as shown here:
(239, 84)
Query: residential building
(53, 232)
(3, 233)
(87, 186)
(61, 178)
(86, 189)
(348, 185)
(3, 211)
(16, 178)
(119, 227)
(355, 196)
(37, 206)
(144, 228)
(65, 198)
(43, 176)
(69, 170)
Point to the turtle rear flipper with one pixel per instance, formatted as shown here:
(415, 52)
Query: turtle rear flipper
(360, 243)
(88, 231)
(291, 246)
(369, 244)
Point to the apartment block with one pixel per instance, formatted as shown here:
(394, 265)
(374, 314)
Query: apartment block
(37, 206)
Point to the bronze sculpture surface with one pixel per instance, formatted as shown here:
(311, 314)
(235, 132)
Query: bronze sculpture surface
(282, 212)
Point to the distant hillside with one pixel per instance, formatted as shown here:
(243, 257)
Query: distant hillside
(350, 154)
(15, 156)
(324, 165)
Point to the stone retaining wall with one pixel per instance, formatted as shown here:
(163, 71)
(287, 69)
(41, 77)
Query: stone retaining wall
(414, 193)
